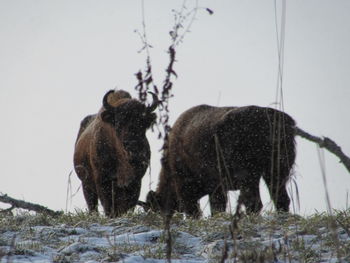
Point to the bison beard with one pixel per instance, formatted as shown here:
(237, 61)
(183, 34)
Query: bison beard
(211, 150)
(112, 152)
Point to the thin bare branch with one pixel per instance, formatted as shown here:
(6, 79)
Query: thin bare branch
(326, 143)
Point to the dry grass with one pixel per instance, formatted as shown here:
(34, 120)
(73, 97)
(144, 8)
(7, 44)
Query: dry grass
(259, 238)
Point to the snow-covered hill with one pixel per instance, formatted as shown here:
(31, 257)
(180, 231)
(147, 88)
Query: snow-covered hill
(139, 237)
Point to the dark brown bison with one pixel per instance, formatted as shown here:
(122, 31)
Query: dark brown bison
(112, 152)
(211, 150)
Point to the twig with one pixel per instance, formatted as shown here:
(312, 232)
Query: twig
(182, 24)
(224, 255)
(326, 143)
(168, 239)
(28, 206)
(69, 189)
(145, 80)
(345, 228)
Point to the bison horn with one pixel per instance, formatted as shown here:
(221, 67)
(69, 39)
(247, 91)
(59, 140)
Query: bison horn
(155, 102)
(106, 105)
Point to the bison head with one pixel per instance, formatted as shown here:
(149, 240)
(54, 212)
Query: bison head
(158, 203)
(123, 112)
(152, 202)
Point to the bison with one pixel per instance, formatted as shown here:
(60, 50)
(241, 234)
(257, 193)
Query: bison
(112, 152)
(211, 150)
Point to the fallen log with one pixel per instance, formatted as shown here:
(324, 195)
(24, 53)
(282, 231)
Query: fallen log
(27, 205)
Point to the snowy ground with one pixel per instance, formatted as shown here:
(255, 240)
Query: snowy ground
(140, 238)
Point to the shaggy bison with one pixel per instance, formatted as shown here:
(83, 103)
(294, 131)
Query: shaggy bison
(112, 152)
(211, 150)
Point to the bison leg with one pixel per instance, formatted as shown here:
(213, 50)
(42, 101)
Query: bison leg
(107, 202)
(191, 208)
(188, 201)
(250, 196)
(218, 200)
(276, 183)
(105, 194)
(90, 195)
(89, 188)
(116, 201)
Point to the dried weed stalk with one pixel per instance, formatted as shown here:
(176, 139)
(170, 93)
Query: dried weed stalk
(183, 20)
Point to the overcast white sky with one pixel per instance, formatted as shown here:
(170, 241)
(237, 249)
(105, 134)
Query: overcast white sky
(59, 57)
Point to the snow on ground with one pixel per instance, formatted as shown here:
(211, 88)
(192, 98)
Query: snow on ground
(123, 240)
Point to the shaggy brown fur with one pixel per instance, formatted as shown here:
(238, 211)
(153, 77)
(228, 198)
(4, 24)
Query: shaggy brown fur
(112, 152)
(211, 150)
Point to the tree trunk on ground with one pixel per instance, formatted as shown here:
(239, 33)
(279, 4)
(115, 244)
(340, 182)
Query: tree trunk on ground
(26, 205)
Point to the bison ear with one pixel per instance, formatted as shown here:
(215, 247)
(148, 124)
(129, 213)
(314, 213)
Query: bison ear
(107, 116)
